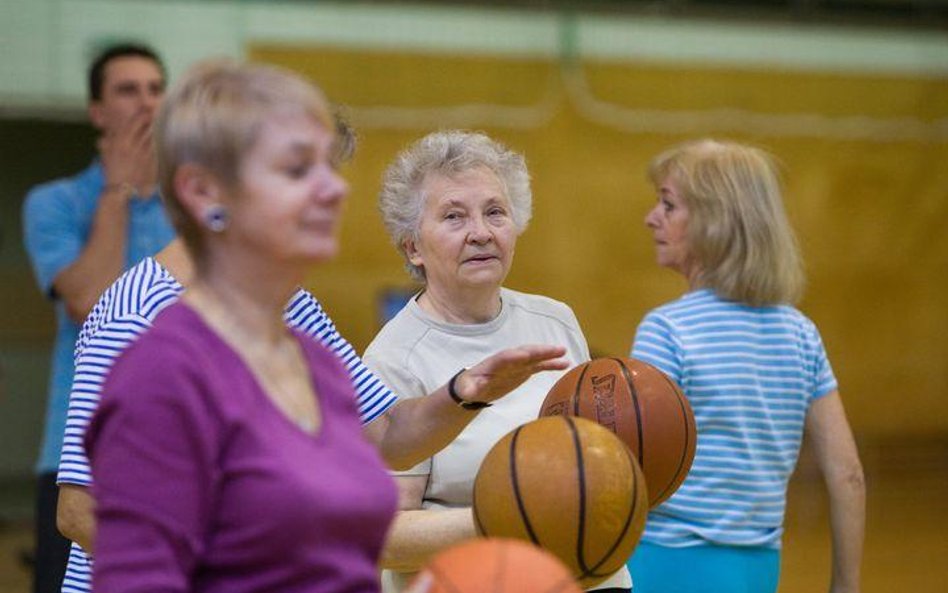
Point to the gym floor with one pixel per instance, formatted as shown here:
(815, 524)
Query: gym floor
(907, 519)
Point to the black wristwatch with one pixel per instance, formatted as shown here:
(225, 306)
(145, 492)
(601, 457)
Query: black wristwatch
(457, 398)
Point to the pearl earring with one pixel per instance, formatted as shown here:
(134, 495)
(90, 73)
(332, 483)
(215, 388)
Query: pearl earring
(215, 218)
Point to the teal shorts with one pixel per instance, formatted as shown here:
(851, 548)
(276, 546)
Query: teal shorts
(704, 569)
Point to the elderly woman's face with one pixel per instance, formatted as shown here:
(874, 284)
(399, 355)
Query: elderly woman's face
(289, 192)
(668, 220)
(467, 233)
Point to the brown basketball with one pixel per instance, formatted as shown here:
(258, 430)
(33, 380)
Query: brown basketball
(498, 565)
(642, 406)
(569, 486)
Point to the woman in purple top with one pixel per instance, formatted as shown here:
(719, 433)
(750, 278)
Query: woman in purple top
(227, 448)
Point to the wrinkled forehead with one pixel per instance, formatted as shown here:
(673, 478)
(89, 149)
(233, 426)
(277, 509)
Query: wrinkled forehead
(478, 179)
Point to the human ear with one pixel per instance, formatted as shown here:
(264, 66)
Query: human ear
(197, 189)
(96, 115)
(412, 253)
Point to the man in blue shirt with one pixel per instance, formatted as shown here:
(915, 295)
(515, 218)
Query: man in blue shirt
(81, 233)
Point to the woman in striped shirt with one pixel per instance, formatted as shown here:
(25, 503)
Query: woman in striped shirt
(755, 372)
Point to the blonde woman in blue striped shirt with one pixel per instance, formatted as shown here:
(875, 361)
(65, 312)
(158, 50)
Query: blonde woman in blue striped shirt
(756, 373)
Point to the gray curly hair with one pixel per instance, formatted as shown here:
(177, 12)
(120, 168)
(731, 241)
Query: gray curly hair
(449, 153)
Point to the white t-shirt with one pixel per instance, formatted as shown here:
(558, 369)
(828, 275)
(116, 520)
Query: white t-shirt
(415, 354)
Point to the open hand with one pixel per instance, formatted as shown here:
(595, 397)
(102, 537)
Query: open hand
(127, 154)
(498, 375)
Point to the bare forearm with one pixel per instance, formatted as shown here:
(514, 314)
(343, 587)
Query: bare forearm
(847, 521)
(75, 515)
(101, 260)
(414, 430)
(417, 428)
(417, 535)
(838, 458)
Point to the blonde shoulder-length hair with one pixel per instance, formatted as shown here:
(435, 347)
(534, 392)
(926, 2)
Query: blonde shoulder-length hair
(738, 232)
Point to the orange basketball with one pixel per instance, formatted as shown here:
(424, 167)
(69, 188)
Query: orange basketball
(496, 565)
(642, 406)
(569, 486)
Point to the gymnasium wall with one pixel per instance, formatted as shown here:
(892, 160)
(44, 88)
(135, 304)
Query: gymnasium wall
(856, 116)
(862, 161)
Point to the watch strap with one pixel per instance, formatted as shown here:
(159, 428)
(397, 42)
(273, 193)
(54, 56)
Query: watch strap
(467, 405)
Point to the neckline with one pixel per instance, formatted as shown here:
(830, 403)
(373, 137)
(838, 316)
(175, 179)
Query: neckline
(472, 329)
(259, 391)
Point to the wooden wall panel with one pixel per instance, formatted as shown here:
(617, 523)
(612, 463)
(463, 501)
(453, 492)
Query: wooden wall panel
(865, 187)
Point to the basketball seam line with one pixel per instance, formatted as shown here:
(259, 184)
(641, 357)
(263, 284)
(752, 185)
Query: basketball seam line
(628, 518)
(581, 471)
(579, 384)
(634, 394)
(441, 577)
(516, 487)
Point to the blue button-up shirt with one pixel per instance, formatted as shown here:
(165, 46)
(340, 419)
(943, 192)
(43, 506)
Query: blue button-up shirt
(57, 220)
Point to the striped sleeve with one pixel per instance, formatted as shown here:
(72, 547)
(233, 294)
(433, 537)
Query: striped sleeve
(655, 343)
(122, 313)
(824, 380)
(373, 397)
(88, 327)
(95, 360)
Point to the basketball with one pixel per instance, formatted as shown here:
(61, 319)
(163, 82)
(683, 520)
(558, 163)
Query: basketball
(641, 405)
(569, 486)
(496, 565)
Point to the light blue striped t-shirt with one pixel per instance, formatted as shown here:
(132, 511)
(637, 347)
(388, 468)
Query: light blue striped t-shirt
(124, 312)
(750, 374)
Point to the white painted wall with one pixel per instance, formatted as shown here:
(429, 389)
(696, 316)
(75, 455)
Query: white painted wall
(46, 44)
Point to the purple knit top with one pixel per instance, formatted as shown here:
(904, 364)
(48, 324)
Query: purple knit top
(203, 485)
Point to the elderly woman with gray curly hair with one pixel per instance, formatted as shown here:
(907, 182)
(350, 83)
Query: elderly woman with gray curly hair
(454, 204)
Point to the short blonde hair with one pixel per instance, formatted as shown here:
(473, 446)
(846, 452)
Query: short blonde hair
(738, 232)
(449, 153)
(213, 116)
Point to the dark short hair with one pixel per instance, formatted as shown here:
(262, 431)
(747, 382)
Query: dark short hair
(119, 50)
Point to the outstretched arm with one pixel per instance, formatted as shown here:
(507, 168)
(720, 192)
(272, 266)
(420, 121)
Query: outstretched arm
(832, 441)
(417, 428)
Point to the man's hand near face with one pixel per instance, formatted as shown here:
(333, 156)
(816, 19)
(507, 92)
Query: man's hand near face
(127, 154)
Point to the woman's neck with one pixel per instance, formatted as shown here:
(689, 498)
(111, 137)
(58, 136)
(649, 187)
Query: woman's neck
(242, 300)
(176, 259)
(467, 307)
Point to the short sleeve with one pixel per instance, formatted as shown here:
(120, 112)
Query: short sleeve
(373, 396)
(51, 234)
(822, 376)
(102, 346)
(153, 445)
(655, 343)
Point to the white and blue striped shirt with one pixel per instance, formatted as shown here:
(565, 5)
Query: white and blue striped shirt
(123, 313)
(750, 374)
